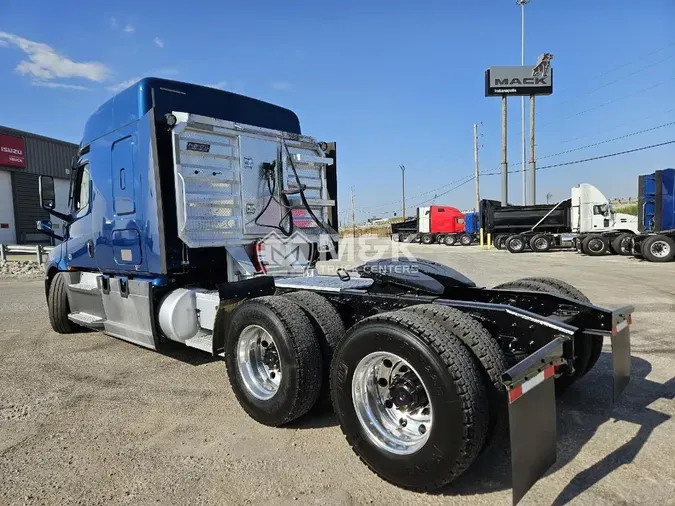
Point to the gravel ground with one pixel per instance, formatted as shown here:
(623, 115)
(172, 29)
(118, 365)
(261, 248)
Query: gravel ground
(89, 419)
(21, 269)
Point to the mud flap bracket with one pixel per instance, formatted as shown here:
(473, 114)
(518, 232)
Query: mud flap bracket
(532, 416)
(621, 320)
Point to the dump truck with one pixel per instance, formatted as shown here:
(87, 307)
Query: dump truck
(433, 225)
(199, 216)
(656, 217)
(586, 221)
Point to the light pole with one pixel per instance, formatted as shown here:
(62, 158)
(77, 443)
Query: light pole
(522, 4)
(403, 181)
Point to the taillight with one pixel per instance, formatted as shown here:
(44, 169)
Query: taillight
(259, 259)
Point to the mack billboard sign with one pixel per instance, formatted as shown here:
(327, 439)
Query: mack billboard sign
(517, 81)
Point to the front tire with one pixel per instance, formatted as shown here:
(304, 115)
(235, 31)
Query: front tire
(395, 363)
(58, 306)
(273, 359)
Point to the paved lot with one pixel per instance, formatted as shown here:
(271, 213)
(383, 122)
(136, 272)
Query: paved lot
(88, 419)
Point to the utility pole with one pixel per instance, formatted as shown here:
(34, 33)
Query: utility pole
(475, 165)
(522, 4)
(351, 191)
(403, 181)
(505, 163)
(533, 167)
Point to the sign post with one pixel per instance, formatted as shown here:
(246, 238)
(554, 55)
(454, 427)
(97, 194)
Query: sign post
(519, 81)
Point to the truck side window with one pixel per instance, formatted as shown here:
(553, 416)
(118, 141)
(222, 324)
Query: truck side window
(600, 210)
(441, 210)
(82, 187)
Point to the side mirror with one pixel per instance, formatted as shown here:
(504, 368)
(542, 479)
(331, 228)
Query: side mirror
(47, 193)
(45, 226)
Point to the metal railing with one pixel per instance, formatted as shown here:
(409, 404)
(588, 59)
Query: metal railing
(38, 250)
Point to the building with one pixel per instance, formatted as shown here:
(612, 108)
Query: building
(24, 157)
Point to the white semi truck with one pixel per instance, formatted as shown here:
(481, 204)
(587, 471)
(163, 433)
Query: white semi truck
(586, 221)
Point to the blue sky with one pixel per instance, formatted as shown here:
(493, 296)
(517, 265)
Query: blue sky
(391, 83)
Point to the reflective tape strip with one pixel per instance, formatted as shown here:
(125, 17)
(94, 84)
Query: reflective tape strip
(523, 388)
(620, 326)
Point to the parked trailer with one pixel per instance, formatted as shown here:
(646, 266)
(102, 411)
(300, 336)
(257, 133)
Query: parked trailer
(185, 242)
(434, 225)
(586, 221)
(656, 217)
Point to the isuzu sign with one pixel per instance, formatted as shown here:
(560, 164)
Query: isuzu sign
(12, 151)
(517, 81)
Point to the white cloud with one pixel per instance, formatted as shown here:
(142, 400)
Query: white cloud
(113, 23)
(220, 85)
(129, 29)
(159, 42)
(66, 86)
(124, 84)
(281, 85)
(45, 63)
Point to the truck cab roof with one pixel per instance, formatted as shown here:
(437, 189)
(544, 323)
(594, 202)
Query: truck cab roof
(167, 96)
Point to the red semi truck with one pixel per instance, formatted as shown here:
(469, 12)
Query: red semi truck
(434, 224)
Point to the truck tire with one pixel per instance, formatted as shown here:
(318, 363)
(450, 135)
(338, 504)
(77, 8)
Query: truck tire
(587, 349)
(465, 240)
(273, 359)
(396, 237)
(58, 306)
(450, 240)
(658, 248)
(427, 239)
(439, 239)
(417, 365)
(621, 244)
(515, 244)
(485, 349)
(499, 241)
(329, 329)
(595, 245)
(540, 243)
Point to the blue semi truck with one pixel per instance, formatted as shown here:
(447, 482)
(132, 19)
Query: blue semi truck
(656, 217)
(198, 216)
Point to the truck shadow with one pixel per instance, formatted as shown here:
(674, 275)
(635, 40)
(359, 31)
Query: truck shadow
(190, 356)
(583, 408)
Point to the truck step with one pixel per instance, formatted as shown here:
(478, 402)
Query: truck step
(202, 342)
(87, 320)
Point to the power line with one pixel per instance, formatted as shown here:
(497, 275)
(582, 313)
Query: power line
(609, 102)
(607, 140)
(412, 196)
(662, 113)
(596, 143)
(609, 155)
(618, 80)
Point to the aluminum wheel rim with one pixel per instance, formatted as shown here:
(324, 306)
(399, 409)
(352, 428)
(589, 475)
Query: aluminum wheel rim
(660, 249)
(255, 353)
(595, 245)
(390, 426)
(540, 243)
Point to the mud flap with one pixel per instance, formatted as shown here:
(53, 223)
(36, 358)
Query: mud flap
(532, 416)
(621, 320)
